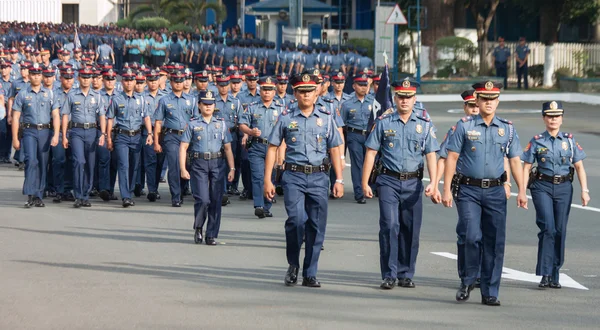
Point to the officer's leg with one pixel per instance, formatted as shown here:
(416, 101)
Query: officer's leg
(58, 167)
(388, 189)
(217, 172)
(246, 173)
(150, 161)
(113, 171)
(315, 207)
(519, 76)
(90, 151)
(526, 76)
(160, 164)
(468, 231)
(411, 215)
(141, 171)
(135, 153)
(294, 187)
(541, 194)
(257, 166)
(49, 186)
(103, 155)
(563, 196)
(43, 152)
(171, 148)
(29, 150)
(68, 170)
(505, 75)
(493, 227)
(77, 149)
(199, 179)
(234, 150)
(122, 150)
(356, 158)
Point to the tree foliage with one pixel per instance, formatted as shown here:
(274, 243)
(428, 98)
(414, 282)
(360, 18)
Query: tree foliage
(570, 11)
(191, 11)
(483, 11)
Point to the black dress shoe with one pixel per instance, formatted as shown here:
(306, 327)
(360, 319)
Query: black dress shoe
(478, 283)
(21, 166)
(244, 195)
(555, 285)
(211, 241)
(77, 203)
(176, 204)
(151, 197)
(464, 292)
(311, 282)
(362, 201)
(545, 282)
(113, 197)
(388, 283)
(137, 191)
(69, 197)
(104, 195)
(198, 236)
(268, 214)
(490, 301)
(58, 198)
(406, 283)
(29, 202)
(127, 202)
(37, 202)
(157, 196)
(86, 203)
(225, 200)
(94, 192)
(259, 212)
(291, 276)
(162, 180)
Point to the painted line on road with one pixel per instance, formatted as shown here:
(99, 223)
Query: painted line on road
(513, 274)
(511, 111)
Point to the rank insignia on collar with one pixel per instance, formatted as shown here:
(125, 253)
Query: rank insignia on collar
(565, 146)
(501, 131)
(419, 128)
(319, 122)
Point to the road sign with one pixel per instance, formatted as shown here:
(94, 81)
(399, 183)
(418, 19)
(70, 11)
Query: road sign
(396, 17)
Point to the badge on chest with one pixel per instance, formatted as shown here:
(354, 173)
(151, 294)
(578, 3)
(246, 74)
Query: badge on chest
(473, 135)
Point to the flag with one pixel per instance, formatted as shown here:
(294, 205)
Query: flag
(76, 40)
(383, 97)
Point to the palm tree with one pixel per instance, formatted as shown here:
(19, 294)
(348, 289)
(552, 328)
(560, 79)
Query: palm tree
(163, 8)
(194, 11)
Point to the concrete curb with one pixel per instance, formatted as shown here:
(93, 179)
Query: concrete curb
(563, 97)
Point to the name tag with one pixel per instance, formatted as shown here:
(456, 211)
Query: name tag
(121, 105)
(198, 129)
(77, 103)
(170, 106)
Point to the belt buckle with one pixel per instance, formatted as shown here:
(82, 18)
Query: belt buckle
(556, 179)
(485, 183)
(308, 169)
(206, 156)
(39, 126)
(86, 125)
(403, 176)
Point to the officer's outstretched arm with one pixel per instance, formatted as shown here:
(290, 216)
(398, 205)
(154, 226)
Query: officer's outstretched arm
(517, 172)
(449, 171)
(183, 147)
(432, 170)
(367, 168)
(440, 171)
(582, 176)
(526, 169)
(268, 188)
(281, 153)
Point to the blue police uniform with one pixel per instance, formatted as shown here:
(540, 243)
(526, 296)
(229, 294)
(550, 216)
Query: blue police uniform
(83, 111)
(35, 108)
(305, 181)
(246, 98)
(207, 168)
(150, 157)
(128, 114)
(501, 55)
(106, 160)
(522, 71)
(61, 168)
(402, 147)
(552, 192)
(481, 200)
(174, 112)
(229, 110)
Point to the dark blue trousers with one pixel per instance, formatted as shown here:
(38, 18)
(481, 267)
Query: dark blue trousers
(35, 146)
(62, 170)
(128, 150)
(256, 156)
(552, 207)
(236, 159)
(5, 139)
(400, 217)
(206, 179)
(150, 162)
(357, 149)
(245, 171)
(170, 152)
(83, 143)
(305, 197)
(481, 232)
(107, 168)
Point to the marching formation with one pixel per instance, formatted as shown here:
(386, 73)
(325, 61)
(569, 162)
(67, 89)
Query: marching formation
(211, 126)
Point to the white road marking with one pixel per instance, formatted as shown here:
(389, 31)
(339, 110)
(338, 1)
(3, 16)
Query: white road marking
(512, 274)
(511, 111)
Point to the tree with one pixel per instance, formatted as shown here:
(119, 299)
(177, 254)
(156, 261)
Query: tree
(483, 11)
(161, 8)
(194, 11)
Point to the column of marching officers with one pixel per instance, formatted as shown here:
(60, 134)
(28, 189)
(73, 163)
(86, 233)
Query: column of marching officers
(212, 127)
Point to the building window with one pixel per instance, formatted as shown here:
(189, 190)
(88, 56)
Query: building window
(346, 17)
(70, 13)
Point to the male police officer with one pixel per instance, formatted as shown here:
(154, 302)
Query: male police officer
(257, 122)
(404, 140)
(522, 57)
(151, 98)
(308, 132)
(479, 145)
(501, 60)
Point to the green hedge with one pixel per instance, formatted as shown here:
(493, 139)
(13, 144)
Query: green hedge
(151, 23)
(124, 23)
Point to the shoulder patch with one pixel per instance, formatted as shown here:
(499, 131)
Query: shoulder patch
(453, 128)
(466, 119)
(292, 101)
(325, 111)
(424, 118)
(505, 120)
(568, 135)
(327, 100)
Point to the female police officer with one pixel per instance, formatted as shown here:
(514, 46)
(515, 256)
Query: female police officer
(557, 156)
(209, 139)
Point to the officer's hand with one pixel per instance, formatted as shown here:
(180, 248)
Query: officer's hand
(256, 132)
(149, 140)
(110, 144)
(338, 190)
(507, 191)
(157, 148)
(447, 198)
(9, 119)
(184, 174)
(54, 141)
(585, 198)
(16, 144)
(436, 198)
(230, 176)
(65, 142)
(522, 200)
(269, 189)
(429, 190)
(244, 141)
(367, 191)
(101, 140)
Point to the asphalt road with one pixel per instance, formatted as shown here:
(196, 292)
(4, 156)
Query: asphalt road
(112, 268)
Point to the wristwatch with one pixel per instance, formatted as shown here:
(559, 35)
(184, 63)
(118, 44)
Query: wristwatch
(342, 157)
(586, 191)
(339, 181)
(232, 169)
(507, 184)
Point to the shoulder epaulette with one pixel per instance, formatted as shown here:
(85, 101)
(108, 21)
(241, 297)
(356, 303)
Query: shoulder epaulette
(453, 128)
(325, 111)
(506, 121)
(568, 135)
(293, 101)
(537, 137)
(386, 114)
(424, 118)
(253, 103)
(466, 119)
(328, 100)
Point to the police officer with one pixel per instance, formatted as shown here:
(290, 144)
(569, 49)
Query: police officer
(522, 57)
(151, 98)
(404, 141)
(106, 159)
(282, 85)
(174, 112)
(558, 156)
(125, 118)
(355, 114)
(246, 97)
(205, 141)
(479, 145)
(501, 60)
(258, 122)
(308, 132)
(33, 109)
(83, 107)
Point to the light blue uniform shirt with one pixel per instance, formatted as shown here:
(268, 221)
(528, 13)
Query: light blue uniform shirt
(83, 109)
(127, 111)
(176, 112)
(35, 107)
(554, 155)
(206, 136)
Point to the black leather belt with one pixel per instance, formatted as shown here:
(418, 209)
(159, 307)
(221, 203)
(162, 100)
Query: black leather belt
(555, 179)
(356, 130)
(259, 140)
(173, 131)
(402, 176)
(482, 183)
(39, 127)
(206, 155)
(83, 125)
(128, 132)
(307, 169)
